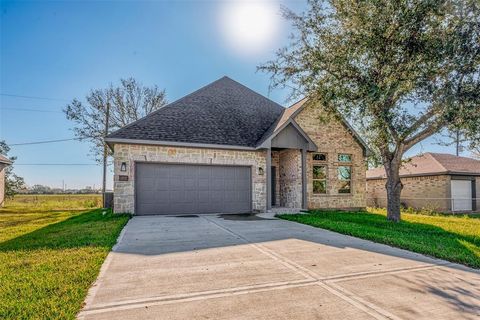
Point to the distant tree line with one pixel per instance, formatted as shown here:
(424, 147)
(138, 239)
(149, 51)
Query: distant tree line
(41, 189)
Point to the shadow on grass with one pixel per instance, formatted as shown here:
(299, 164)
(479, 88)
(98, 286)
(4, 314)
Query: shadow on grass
(414, 236)
(88, 229)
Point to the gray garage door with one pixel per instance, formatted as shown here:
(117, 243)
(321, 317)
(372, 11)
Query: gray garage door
(191, 189)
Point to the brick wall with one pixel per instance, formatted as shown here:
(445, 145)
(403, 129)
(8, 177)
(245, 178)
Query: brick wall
(129, 153)
(427, 192)
(332, 138)
(290, 170)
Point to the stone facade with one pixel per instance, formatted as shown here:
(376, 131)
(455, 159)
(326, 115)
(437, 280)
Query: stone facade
(333, 138)
(124, 190)
(276, 164)
(290, 178)
(423, 192)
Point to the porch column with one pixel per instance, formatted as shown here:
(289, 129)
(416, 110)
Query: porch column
(268, 174)
(304, 179)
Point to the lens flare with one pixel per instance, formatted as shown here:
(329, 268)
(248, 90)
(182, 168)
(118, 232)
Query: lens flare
(248, 26)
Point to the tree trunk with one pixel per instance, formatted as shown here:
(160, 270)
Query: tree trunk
(394, 189)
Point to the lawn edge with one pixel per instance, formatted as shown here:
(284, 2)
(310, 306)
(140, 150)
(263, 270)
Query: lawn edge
(477, 269)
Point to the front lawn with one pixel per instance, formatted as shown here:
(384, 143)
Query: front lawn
(453, 238)
(51, 250)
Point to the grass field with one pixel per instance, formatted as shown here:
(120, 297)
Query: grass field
(453, 238)
(51, 250)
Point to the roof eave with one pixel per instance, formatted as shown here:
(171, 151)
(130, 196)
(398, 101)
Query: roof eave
(112, 141)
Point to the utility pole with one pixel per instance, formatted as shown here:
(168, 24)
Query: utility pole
(105, 154)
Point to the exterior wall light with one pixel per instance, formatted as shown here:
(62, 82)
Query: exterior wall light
(260, 171)
(123, 167)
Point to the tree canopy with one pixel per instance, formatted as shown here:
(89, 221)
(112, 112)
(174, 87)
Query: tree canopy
(403, 69)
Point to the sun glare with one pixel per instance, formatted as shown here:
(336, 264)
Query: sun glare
(250, 26)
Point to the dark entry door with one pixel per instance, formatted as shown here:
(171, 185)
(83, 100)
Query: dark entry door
(274, 185)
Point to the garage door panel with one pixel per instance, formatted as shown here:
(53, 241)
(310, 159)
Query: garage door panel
(162, 184)
(204, 196)
(231, 196)
(217, 197)
(218, 184)
(190, 188)
(191, 184)
(461, 191)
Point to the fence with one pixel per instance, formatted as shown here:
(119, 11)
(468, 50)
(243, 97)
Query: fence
(453, 205)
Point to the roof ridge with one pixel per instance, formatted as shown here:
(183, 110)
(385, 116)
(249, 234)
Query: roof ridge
(251, 90)
(297, 101)
(436, 160)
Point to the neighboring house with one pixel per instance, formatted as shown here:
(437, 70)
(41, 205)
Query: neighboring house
(4, 162)
(436, 181)
(225, 148)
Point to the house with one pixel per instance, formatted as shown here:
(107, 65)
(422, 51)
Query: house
(225, 148)
(437, 181)
(4, 162)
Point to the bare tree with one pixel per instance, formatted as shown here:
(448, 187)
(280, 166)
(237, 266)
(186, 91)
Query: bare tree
(127, 102)
(454, 138)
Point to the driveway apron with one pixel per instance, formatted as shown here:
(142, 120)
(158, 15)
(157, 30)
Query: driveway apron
(247, 267)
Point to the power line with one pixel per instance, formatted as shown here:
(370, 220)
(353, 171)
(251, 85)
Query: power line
(29, 110)
(31, 97)
(41, 142)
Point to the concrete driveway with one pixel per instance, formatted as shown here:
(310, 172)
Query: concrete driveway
(228, 267)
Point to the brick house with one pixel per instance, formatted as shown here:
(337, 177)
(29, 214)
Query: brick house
(437, 181)
(4, 162)
(225, 148)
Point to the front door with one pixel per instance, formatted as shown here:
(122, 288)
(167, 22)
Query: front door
(274, 185)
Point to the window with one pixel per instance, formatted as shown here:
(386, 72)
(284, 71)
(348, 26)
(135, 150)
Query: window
(320, 157)
(345, 179)
(319, 179)
(343, 157)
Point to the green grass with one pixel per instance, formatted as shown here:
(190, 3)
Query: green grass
(453, 238)
(51, 250)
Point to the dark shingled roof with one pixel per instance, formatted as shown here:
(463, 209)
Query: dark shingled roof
(223, 112)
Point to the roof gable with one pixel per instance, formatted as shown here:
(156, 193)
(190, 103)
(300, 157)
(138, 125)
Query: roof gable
(221, 113)
(292, 111)
(288, 135)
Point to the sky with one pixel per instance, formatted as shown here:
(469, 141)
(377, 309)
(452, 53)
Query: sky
(52, 52)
